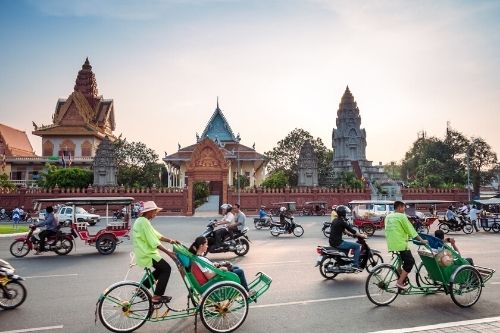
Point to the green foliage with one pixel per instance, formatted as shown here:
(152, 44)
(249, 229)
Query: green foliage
(285, 155)
(138, 165)
(277, 179)
(393, 170)
(201, 192)
(5, 182)
(481, 158)
(348, 179)
(65, 177)
(244, 181)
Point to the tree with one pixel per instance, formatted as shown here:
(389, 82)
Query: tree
(137, 164)
(277, 179)
(65, 177)
(201, 192)
(244, 181)
(285, 155)
(481, 157)
(5, 182)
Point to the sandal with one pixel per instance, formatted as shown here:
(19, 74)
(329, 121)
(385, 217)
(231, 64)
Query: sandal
(403, 288)
(161, 299)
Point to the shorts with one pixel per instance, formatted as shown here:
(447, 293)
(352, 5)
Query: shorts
(408, 260)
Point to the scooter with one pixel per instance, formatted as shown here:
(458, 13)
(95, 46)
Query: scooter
(333, 261)
(12, 291)
(260, 223)
(61, 243)
(238, 242)
(461, 225)
(288, 228)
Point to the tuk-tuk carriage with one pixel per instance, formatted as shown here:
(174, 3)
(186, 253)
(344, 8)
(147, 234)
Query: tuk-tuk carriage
(311, 208)
(291, 207)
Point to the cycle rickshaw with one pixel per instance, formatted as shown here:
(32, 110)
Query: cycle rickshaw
(453, 275)
(221, 302)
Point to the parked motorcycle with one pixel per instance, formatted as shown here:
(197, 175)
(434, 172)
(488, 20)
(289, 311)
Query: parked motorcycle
(333, 261)
(238, 242)
(61, 243)
(462, 224)
(12, 291)
(288, 228)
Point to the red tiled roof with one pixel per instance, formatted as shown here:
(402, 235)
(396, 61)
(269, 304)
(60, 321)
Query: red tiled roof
(16, 142)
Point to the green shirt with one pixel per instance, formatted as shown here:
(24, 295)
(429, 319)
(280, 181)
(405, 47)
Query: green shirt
(398, 230)
(146, 240)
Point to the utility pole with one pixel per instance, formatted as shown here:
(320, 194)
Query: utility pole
(468, 173)
(238, 139)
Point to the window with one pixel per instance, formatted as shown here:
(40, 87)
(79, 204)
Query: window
(47, 148)
(67, 148)
(86, 148)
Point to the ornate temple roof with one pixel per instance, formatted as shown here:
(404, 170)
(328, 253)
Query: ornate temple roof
(218, 127)
(15, 142)
(83, 111)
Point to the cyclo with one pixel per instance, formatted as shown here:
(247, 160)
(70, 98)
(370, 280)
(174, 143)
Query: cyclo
(221, 302)
(436, 274)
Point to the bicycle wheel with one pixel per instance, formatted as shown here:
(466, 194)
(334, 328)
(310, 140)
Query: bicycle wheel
(298, 231)
(326, 267)
(466, 286)
(125, 307)
(12, 295)
(19, 248)
(495, 227)
(371, 263)
(422, 277)
(380, 285)
(224, 308)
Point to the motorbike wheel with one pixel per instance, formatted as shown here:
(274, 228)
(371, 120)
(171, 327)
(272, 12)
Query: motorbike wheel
(242, 247)
(380, 285)
(106, 244)
(369, 230)
(298, 231)
(275, 231)
(12, 295)
(19, 248)
(257, 225)
(495, 227)
(326, 232)
(372, 262)
(444, 227)
(118, 302)
(325, 265)
(63, 246)
(467, 228)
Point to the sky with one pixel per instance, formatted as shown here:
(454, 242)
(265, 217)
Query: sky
(275, 65)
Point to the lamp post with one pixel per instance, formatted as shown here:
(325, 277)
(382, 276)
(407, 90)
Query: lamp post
(468, 173)
(238, 139)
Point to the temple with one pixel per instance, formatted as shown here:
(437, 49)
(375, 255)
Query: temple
(349, 143)
(217, 158)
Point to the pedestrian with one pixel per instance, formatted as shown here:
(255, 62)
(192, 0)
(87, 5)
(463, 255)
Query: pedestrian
(473, 216)
(16, 216)
(147, 241)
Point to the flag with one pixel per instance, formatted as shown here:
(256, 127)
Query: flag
(70, 161)
(63, 161)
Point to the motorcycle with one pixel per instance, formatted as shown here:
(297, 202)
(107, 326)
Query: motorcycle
(118, 215)
(262, 223)
(12, 291)
(333, 261)
(326, 228)
(288, 228)
(61, 243)
(237, 242)
(460, 225)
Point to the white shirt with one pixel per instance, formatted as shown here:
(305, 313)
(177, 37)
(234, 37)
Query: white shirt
(205, 269)
(473, 214)
(229, 217)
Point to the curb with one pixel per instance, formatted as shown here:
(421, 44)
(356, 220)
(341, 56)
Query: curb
(13, 235)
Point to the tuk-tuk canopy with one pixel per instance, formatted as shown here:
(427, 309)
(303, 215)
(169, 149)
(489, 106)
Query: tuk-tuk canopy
(315, 203)
(93, 201)
(490, 201)
(408, 202)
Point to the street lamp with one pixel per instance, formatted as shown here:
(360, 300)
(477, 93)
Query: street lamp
(238, 139)
(468, 173)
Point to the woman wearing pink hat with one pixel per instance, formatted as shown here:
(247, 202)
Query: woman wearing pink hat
(147, 241)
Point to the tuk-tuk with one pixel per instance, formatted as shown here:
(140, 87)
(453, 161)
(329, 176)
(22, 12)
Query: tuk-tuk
(291, 207)
(314, 208)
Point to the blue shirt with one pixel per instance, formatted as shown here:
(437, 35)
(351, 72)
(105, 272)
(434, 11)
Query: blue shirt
(450, 215)
(50, 222)
(262, 213)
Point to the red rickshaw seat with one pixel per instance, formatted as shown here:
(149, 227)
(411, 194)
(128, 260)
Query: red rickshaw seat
(198, 274)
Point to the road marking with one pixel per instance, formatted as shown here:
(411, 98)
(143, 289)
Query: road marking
(48, 276)
(308, 301)
(444, 325)
(274, 263)
(494, 283)
(35, 329)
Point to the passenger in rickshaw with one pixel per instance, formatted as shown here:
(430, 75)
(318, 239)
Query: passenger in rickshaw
(263, 214)
(398, 230)
(338, 228)
(440, 235)
(147, 241)
(221, 226)
(200, 247)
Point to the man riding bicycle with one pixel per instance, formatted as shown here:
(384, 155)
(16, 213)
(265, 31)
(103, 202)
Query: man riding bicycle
(398, 230)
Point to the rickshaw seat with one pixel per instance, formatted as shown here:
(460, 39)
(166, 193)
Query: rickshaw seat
(184, 260)
(434, 242)
(198, 274)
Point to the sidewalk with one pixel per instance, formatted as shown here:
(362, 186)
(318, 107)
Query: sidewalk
(484, 325)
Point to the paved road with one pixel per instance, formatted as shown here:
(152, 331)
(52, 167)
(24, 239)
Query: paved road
(63, 290)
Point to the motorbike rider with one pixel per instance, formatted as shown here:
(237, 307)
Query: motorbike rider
(339, 226)
(285, 219)
(51, 226)
(220, 227)
(333, 216)
(263, 215)
(451, 216)
(239, 219)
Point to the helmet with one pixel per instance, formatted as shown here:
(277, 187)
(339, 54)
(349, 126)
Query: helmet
(226, 206)
(450, 207)
(282, 209)
(341, 211)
